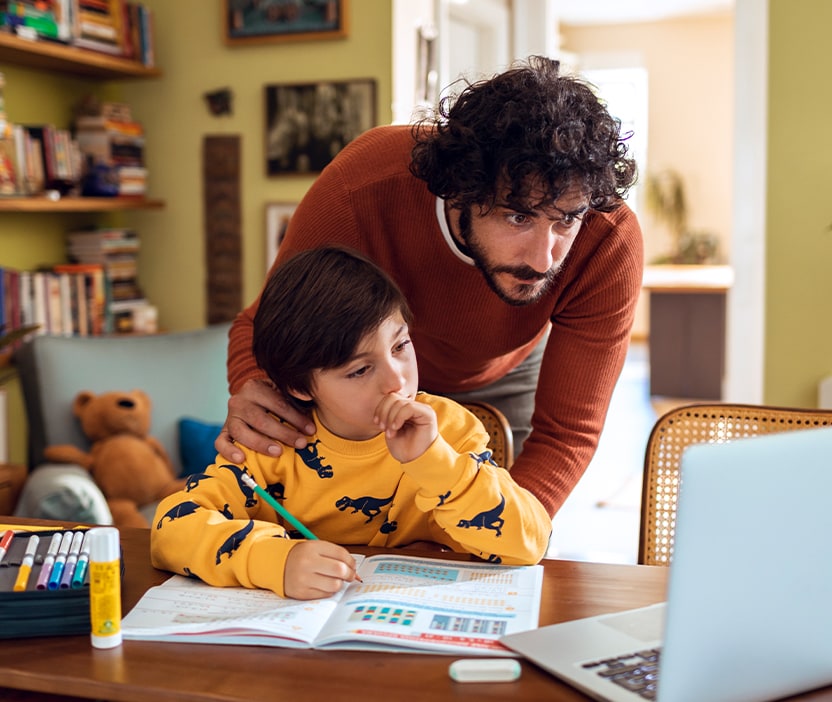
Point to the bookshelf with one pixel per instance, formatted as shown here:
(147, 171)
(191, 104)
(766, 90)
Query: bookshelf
(78, 204)
(52, 56)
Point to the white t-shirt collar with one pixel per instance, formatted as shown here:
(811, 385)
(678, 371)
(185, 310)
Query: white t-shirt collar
(446, 232)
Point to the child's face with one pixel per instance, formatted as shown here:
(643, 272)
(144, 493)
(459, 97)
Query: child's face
(384, 362)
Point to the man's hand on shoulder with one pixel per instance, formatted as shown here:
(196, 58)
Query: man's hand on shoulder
(254, 415)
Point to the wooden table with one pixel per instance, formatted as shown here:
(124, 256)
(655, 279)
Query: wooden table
(67, 668)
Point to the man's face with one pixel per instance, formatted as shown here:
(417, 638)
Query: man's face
(519, 252)
(347, 397)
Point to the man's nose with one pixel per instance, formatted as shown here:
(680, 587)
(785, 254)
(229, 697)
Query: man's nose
(540, 254)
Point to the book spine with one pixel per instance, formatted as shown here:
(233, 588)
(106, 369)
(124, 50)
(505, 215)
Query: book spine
(41, 315)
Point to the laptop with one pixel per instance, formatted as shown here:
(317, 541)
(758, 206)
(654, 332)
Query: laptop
(749, 600)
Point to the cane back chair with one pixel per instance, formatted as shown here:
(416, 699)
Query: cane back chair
(498, 428)
(699, 424)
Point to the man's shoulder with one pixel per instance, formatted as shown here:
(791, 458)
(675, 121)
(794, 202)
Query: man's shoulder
(389, 137)
(378, 154)
(619, 225)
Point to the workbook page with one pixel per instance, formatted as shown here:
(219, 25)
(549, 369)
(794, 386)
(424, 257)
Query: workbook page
(186, 609)
(434, 605)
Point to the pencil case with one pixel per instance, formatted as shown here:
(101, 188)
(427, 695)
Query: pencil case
(40, 612)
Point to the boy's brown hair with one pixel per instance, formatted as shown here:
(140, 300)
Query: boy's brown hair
(315, 309)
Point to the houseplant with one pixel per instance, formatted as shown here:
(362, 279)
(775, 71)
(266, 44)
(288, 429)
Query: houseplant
(667, 203)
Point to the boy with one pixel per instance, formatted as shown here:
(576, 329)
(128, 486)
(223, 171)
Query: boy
(387, 466)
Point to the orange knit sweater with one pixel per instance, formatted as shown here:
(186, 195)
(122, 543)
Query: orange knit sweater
(465, 337)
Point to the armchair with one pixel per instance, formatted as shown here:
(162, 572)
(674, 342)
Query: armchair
(183, 373)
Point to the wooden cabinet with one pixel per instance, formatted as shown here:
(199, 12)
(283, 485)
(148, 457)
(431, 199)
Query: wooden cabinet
(687, 330)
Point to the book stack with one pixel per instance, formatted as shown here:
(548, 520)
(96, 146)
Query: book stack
(36, 157)
(115, 250)
(115, 27)
(67, 300)
(36, 18)
(98, 26)
(138, 35)
(111, 144)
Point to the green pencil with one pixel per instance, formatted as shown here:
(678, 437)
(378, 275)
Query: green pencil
(279, 508)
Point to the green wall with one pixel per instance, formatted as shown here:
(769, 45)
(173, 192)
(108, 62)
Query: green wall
(798, 336)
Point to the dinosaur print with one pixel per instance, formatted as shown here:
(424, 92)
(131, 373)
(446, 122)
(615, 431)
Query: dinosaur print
(232, 543)
(490, 519)
(226, 511)
(276, 490)
(369, 506)
(194, 480)
(309, 455)
(245, 489)
(484, 457)
(442, 498)
(183, 509)
(389, 527)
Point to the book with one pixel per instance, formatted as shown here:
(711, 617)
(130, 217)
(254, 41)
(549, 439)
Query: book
(405, 603)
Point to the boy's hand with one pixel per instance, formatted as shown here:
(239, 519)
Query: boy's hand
(409, 427)
(316, 569)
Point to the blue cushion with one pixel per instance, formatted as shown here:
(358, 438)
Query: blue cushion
(196, 444)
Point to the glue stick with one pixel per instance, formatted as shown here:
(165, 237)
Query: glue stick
(105, 587)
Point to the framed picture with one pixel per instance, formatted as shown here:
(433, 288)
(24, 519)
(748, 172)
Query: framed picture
(278, 215)
(264, 21)
(308, 123)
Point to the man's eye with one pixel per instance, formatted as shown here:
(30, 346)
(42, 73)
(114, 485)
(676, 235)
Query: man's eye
(517, 219)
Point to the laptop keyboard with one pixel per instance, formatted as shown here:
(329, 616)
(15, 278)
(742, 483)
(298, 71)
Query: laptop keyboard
(637, 672)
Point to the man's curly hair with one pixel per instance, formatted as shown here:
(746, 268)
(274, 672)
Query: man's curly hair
(529, 126)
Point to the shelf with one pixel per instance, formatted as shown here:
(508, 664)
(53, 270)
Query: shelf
(69, 59)
(78, 204)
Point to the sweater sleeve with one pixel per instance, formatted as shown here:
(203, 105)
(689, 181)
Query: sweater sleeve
(218, 530)
(476, 502)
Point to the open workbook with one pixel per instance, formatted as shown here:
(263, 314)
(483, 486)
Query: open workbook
(404, 603)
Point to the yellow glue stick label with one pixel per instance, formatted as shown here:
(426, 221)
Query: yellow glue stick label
(105, 598)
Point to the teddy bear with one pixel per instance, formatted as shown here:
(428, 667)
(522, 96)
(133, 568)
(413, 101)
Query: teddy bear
(131, 468)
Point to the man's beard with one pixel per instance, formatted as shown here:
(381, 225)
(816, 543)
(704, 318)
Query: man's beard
(528, 293)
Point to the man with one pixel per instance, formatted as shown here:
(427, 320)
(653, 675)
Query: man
(504, 225)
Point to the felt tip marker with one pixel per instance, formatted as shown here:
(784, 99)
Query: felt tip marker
(26, 564)
(49, 561)
(5, 542)
(83, 562)
(60, 562)
(71, 560)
